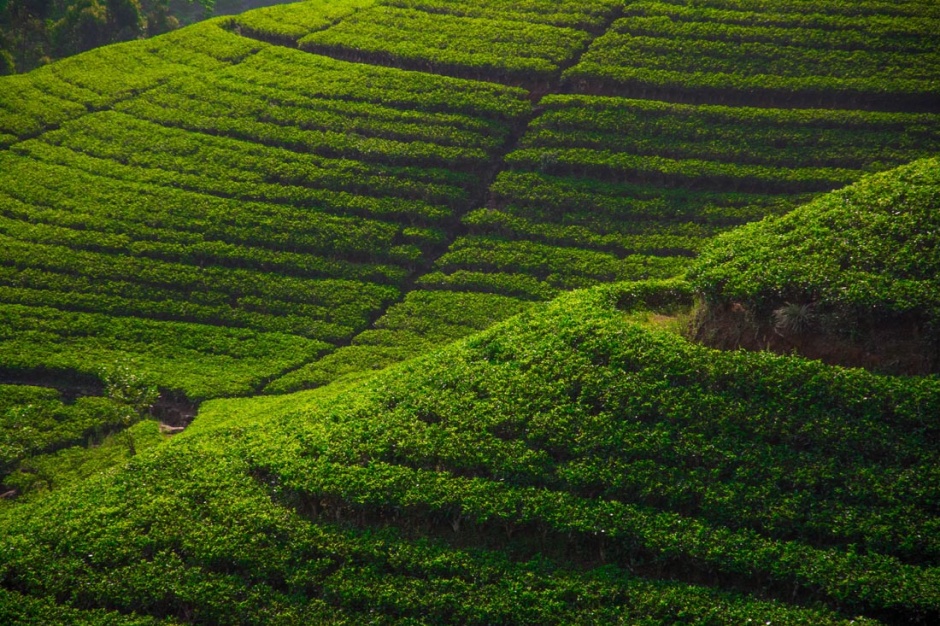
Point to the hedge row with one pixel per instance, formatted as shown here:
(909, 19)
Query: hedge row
(498, 49)
(836, 20)
(290, 71)
(148, 146)
(154, 218)
(199, 360)
(567, 13)
(772, 137)
(336, 202)
(863, 8)
(285, 24)
(616, 206)
(424, 320)
(560, 267)
(30, 103)
(867, 250)
(657, 238)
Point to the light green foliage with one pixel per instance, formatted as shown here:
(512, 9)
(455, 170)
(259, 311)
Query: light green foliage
(288, 23)
(473, 39)
(246, 201)
(607, 188)
(558, 266)
(227, 215)
(425, 320)
(43, 473)
(869, 247)
(569, 13)
(290, 70)
(199, 360)
(564, 431)
(48, 96)
(777, 137)
(35, 420)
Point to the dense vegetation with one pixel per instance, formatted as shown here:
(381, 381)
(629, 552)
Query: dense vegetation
(857, 263)
(871, 246)
(300, 196)
(867, 54)
(506, 453)
(36, 32)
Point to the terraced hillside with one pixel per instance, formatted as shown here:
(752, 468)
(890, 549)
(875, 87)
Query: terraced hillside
(302, 195)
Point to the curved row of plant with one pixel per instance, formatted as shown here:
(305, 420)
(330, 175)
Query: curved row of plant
(299, 505)
(727, 53)
(52, 94)
(248, 199)
(603, 188)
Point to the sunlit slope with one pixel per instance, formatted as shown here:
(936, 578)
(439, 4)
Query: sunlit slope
(222, 209)
(603, 187)
(222, 227)
(858, 265)
(568, 466)
(66, 89)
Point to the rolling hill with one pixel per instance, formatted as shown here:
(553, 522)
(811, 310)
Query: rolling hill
(256, 214)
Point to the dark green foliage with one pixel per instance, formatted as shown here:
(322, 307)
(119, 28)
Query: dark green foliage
(804, 56)
(620, 206)
(15, 608)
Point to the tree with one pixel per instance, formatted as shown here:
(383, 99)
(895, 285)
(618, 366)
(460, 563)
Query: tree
(129, 389)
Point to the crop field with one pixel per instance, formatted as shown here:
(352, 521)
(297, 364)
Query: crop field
(832, 53)
(345, 231)
(505, 455)
(241, 201)
(498, 41)
(602, 189)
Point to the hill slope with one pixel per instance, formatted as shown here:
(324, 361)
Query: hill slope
(300, 196)
(240, 207)
(855, 267)
(557, 469)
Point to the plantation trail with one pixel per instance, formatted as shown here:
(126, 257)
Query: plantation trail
(484, 198)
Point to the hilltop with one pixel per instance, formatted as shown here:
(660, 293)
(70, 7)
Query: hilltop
(408, 278)
(850, 277)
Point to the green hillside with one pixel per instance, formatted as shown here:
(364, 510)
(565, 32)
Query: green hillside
(570, 466)
(855, 266)
(276, 226)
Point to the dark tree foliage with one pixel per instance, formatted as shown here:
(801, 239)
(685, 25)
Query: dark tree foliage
(34, 32)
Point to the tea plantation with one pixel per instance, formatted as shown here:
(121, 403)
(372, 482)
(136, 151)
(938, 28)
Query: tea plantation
(417, 278)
